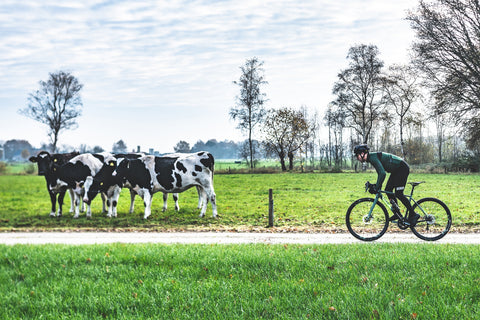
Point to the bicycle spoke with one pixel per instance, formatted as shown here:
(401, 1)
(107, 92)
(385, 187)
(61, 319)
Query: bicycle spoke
(366, 225)
(435, 219)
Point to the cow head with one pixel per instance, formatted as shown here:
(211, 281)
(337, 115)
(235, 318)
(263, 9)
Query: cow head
(43, 161)
(101, 182)
(92, 187)
(121, 169)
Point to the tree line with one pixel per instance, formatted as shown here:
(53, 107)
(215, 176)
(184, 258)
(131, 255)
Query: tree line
(426, 111)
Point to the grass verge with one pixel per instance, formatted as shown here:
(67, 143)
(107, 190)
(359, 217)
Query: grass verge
(380, 281)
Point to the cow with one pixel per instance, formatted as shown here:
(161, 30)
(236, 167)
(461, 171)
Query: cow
(73, 175)
(45, 162)
(175, 195)
(108, 185)
(111, 186)
(150, 174)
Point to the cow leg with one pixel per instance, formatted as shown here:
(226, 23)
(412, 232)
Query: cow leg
(165, 197)
(116, 195)
(175, 197)
(89, 211)
(76, 205)
(72, 201)
(53, 201)
(200, 193)
(147, 200)
(213, 200)
(109, 206)
(210, 196)
(204, 197)
(104, 208)
(132, 200)
(82, 204)
(61, 196)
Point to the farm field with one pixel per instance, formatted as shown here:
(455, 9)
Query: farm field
(118, 281)
(308, 201)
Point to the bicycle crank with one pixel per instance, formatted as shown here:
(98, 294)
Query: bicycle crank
(402, 225)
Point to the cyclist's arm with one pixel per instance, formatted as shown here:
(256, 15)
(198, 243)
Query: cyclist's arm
(380, 171)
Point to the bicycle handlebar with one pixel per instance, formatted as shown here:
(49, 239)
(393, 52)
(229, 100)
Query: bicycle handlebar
(368, 185)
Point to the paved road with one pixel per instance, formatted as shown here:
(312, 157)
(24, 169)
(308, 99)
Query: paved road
(77, 238)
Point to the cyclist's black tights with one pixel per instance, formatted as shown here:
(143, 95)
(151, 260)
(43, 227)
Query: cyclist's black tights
(398, 180)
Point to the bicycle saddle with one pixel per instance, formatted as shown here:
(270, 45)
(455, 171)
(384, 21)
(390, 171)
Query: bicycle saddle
(414, 184)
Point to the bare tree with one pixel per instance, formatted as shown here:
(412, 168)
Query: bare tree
(250, 109)
(401, 92)
(285, 132)
(335, 120)
(56, 104)
(447, 50)
(359, 89)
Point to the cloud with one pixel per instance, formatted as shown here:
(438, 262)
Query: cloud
(174, 55)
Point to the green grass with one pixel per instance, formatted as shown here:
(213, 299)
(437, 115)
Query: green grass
(118, 281)
(309, 201)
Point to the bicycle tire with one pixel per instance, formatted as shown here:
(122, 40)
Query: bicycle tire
(435, 223)
(366, 230)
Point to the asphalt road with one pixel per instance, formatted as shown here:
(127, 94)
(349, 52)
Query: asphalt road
(80, 238)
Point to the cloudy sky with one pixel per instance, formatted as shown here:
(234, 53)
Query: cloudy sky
(157, 72)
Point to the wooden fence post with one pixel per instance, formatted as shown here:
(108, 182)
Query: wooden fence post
(270, 208)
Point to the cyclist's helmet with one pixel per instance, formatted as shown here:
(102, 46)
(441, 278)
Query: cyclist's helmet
(360, 149)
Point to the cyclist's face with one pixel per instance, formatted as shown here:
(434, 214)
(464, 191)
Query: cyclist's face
(361, 157)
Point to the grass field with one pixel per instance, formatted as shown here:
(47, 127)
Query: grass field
(117, 281)
(147, 281)
(310, 201)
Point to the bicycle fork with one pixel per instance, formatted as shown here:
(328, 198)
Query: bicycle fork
(367, 218)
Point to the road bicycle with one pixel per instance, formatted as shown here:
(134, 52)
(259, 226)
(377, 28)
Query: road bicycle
(367, 219)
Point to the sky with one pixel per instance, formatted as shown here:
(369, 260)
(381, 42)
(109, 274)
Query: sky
(157, 72)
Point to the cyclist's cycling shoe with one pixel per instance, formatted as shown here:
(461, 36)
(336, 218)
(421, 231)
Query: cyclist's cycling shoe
(412, 220)
(393, 218)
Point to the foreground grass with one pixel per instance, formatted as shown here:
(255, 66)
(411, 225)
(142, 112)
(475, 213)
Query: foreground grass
(301, 201)
(118, 281)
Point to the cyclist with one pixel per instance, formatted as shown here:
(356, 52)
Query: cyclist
(399, 171)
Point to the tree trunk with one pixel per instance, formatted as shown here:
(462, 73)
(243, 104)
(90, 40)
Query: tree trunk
(251, 146)
(290, 159)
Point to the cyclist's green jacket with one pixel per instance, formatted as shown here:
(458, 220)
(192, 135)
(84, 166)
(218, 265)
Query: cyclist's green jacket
(382, 162)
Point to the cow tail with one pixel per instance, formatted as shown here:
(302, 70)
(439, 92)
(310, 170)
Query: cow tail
(212, 164)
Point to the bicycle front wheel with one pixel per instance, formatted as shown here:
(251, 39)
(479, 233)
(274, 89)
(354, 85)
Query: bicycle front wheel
(364, 226)
(435, 219)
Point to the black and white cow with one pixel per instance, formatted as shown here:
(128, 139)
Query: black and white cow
(73, 175)
(109, 185)
(175, 195)
(45, 162)
(149, 174)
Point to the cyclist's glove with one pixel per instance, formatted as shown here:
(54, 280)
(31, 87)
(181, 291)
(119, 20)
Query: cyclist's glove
(373, 189)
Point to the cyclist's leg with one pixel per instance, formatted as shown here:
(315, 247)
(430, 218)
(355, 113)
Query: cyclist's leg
(399, 180)
(391, 196)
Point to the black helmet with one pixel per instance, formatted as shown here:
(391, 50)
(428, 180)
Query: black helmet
(360, 149)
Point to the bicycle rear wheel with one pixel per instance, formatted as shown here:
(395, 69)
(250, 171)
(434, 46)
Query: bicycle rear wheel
(363, 227)
(435, 219)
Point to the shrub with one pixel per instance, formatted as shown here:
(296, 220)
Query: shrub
(30, 168)
(3, 167)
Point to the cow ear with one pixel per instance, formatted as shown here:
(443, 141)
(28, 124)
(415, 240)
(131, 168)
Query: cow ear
(32, 159)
